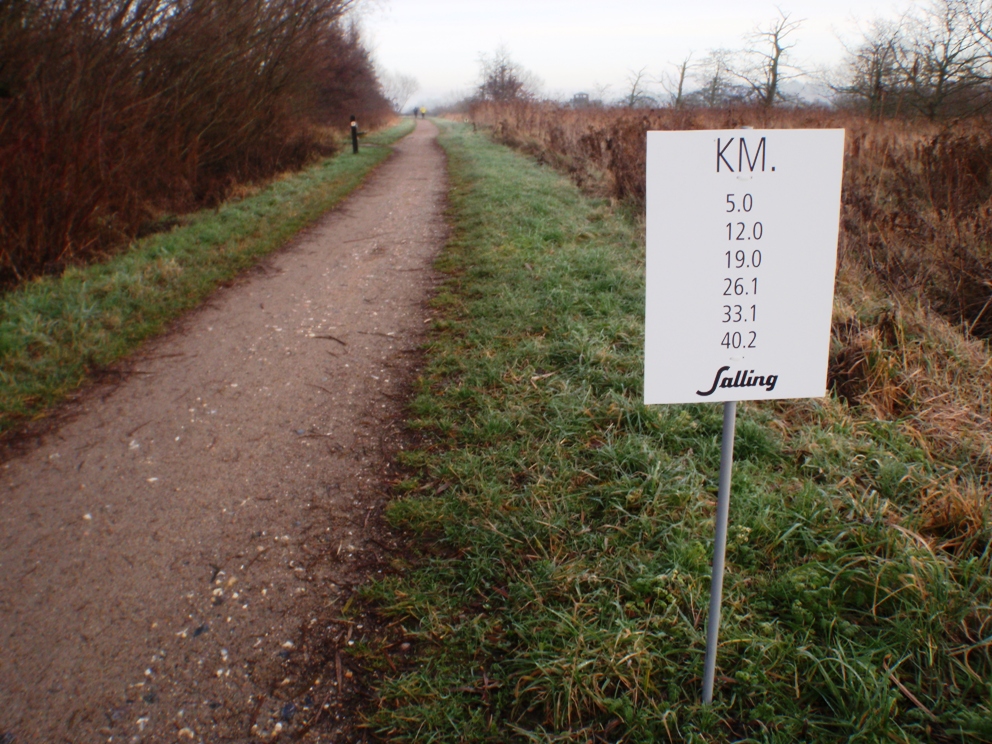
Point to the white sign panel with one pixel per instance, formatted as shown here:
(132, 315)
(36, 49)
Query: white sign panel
(741, 254)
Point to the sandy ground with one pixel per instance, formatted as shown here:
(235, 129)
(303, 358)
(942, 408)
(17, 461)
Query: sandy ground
(171, 557)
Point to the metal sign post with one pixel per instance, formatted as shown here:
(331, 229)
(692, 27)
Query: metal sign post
(741, 253)
(719, 546)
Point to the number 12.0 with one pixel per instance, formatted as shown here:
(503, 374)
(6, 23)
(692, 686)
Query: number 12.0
(757, 230)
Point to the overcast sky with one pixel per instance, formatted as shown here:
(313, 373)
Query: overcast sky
(582, 45)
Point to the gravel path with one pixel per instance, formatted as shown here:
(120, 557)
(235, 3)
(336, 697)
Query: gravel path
(169, 556)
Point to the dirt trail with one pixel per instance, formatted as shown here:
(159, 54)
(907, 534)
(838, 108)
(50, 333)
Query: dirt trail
(169, 555)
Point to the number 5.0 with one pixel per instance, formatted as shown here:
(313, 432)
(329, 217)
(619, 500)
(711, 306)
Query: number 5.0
(746, 203)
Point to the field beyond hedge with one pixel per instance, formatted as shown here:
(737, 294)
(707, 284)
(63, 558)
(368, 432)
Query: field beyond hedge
(565, 529)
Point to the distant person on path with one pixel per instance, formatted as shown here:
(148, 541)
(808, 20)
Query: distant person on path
(423, 112)
(354, 135)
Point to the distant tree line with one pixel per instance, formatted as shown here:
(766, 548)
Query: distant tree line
(114, 113)
(935, 61)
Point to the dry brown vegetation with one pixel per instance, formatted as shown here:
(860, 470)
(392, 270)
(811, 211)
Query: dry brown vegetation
(115, 113)
(913, 313)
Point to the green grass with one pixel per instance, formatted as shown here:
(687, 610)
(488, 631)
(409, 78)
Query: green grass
(564, 530)
(56, 331)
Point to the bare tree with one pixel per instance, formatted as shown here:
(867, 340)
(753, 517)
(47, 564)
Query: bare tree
(398, 88)
(937, 61)
(674, 83)
(765, 63)
(716, 83)
(502, 79)
(871, 75)
(979, 14)
(943, 57)
(637, 95)
(601, 92)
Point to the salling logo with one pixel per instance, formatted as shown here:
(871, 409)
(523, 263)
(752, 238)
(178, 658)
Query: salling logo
(743, 378)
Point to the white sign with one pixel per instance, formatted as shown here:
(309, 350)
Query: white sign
(741, 254)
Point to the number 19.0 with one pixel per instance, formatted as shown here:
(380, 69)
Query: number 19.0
(741, 260)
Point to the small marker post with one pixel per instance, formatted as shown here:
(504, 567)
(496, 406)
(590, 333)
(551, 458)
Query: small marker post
(719, 547)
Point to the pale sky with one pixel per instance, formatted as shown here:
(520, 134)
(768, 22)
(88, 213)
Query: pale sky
(581, 45)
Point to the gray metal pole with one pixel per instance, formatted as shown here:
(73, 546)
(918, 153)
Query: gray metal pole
(719, 547)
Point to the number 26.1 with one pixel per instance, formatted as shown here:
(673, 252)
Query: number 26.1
(739, 286)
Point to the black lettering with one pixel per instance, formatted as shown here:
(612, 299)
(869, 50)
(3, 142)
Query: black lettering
(716, 381)
(770, 382)
(743, 155)
(720, 154)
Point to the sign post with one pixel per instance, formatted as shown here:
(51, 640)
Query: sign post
(741, 254)
(719, 547)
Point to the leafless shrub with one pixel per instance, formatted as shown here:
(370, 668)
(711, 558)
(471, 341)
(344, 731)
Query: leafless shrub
(113, 112)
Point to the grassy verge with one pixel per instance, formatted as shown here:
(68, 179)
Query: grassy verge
(566, 528)
(55, 331)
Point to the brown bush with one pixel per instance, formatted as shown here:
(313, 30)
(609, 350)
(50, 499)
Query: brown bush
(113, 112)
(917, 199)
(914, 290)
